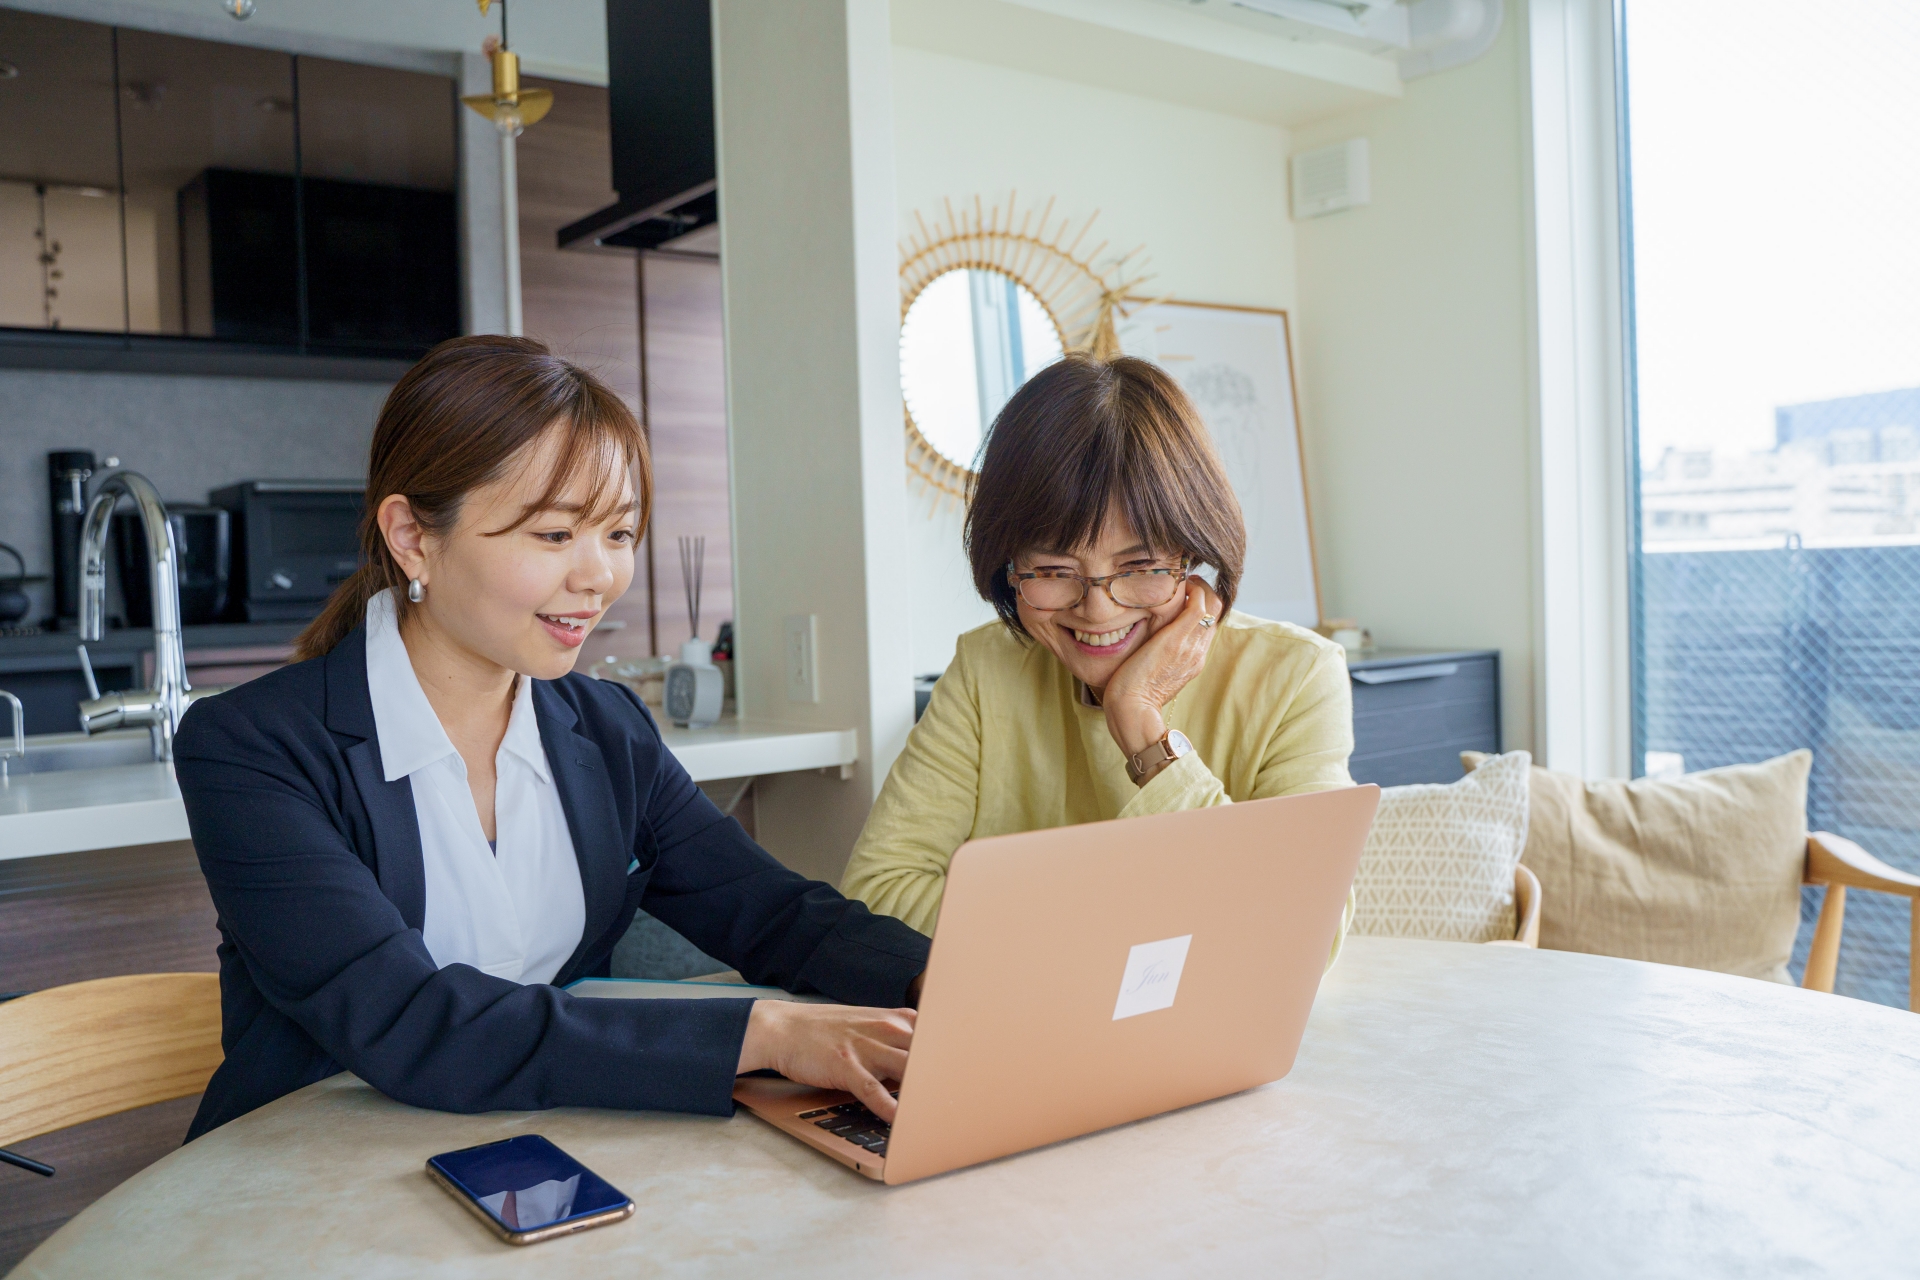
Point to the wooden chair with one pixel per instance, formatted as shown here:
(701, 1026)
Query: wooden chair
(1833, 861)
(1526, 911)
(91, 1049)
(1839, 863)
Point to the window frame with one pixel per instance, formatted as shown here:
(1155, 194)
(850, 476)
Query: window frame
(1585, 535)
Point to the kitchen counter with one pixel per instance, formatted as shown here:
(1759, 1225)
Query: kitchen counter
(74, 809)
(69, 810)
(736, 748)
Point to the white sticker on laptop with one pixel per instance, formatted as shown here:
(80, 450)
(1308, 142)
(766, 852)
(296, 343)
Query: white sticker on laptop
(1152, 977)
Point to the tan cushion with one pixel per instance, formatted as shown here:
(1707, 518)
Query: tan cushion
(1439, 861)
(1702, 870)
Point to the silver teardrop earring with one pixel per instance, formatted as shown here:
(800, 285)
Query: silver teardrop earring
(415, 592)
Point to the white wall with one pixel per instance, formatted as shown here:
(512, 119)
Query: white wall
(1412, 335)
(1206, 193)
(813, 392)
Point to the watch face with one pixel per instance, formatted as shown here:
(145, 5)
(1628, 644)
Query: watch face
(1177, 743)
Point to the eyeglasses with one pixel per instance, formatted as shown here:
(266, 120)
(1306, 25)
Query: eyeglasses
(1051, 589)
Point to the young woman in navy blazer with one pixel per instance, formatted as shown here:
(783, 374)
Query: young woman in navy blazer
(406, 882)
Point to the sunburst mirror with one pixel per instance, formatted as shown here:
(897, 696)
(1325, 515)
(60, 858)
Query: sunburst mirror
(989, 297)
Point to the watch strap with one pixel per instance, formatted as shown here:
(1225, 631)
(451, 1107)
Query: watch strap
(1156, 755)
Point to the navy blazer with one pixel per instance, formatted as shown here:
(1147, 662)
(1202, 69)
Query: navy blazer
(314, 863)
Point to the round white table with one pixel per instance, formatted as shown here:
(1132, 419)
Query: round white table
(1455, 1111)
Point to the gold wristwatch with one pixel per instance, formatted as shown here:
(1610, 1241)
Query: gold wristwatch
(1155, 756)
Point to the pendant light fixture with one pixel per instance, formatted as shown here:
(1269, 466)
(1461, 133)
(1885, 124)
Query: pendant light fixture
(510, 107)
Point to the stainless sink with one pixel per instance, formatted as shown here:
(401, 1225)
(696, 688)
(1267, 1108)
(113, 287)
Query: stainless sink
(52, 752)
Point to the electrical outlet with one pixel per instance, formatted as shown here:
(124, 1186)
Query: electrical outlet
(803, 672)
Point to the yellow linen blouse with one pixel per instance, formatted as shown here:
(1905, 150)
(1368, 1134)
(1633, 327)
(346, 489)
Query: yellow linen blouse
(1008, 744)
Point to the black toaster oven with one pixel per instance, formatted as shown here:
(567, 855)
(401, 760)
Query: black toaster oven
(294, 541)
(203, 551)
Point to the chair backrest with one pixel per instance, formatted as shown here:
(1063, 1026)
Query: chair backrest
(1526, 906)
(75, 1053)
(1837, 862)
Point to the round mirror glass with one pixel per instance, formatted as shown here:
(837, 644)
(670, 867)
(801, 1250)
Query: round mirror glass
(969, 340)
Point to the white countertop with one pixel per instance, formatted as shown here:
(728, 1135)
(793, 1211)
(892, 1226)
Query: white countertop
(737, 748)
(69, 810)
(73, 809)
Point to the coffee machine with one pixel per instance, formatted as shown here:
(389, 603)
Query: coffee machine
(68, 471)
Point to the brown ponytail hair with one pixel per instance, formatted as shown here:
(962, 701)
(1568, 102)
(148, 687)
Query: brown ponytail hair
(460, 419)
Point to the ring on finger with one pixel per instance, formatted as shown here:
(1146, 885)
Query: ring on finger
(1207, 619)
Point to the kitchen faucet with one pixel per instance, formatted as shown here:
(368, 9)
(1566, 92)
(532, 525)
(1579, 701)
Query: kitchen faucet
(18, 751)
(160, 707)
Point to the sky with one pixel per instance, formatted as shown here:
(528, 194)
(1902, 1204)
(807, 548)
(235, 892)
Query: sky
(1776, 210)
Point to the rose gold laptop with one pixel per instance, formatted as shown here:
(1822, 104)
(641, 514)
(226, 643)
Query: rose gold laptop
(1087, 976)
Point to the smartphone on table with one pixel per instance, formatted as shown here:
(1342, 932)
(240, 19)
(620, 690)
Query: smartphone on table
(528, 1190)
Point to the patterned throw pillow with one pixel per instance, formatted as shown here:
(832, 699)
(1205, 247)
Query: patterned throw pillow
(1702, 870)
(1440, 860)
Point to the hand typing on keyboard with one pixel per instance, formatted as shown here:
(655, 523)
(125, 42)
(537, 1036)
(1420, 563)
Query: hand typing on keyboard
(831, 1046)
(852, 1121)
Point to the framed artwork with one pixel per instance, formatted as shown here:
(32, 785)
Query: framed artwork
(1236, 363)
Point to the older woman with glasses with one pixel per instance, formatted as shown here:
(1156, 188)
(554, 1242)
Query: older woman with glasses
(1115, 683)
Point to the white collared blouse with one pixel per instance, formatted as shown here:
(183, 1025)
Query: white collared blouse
(517, 913)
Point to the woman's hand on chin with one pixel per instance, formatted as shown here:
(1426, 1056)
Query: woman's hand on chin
(831, 1046)
(1152, 674)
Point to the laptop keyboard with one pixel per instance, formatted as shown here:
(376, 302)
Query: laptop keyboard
(852, 1121)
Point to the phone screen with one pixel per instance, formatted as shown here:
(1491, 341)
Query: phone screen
(527, 1183)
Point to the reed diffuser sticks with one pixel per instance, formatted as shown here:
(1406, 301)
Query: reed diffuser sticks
(693, 565)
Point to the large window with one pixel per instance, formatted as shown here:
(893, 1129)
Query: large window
(1775, 266)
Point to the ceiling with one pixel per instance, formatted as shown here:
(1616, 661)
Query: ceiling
(1156, 49)
(1176, 50)
(561, 39)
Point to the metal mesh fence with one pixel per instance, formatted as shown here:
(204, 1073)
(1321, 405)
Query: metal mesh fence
(1776, 391)
(1749, 654)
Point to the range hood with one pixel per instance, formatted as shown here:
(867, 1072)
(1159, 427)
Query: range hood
(660, 113)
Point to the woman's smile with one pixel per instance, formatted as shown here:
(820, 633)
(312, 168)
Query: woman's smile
(570, 629)
(1102, 644)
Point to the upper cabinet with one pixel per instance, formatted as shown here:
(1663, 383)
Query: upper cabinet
(196, 197)
(60, 243)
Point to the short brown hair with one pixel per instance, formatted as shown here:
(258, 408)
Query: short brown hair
(456, 421)
(1085, 433)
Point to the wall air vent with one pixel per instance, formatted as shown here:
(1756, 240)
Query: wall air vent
(1329, 179)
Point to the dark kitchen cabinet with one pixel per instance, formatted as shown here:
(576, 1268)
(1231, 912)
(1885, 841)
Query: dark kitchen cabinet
(382, 265)
(240, 257)
(192, 204)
